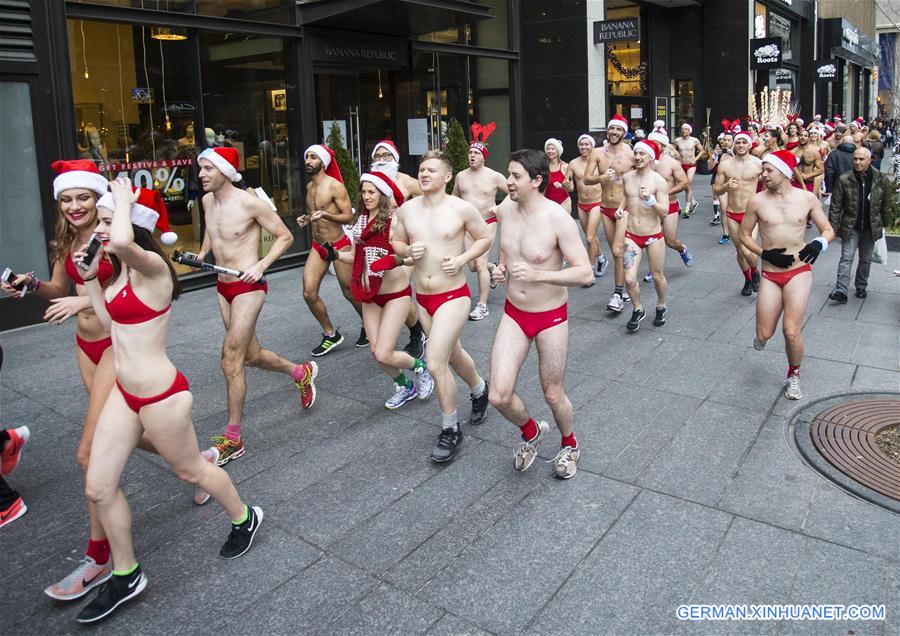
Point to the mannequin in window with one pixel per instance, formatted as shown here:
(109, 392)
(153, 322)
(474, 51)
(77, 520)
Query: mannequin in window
(210, 135)
(95, 150)
(188, 140)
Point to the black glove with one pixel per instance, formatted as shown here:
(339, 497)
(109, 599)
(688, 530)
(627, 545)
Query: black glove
(811, 251)
(332, 253)
(778, 258)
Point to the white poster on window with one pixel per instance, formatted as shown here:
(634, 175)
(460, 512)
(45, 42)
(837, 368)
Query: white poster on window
(326, 130)
(637, 112)
(417, 133)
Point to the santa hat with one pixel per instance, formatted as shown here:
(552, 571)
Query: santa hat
(480, 147)
(640, 134)
(388, 145)
(688, 126)
(384, 184)
(799, 121)
(720, 137)
(618, 120)
(226, 160)
(837, 118)
(743, 135)
(783, 160)
(819, 130)
(650, 147)
(818, 117)
(659, 136)
(588, 137)
(829, 126)
(326, 154)
(659, 123)
(148, 212)
(556, 143)
(79, 173)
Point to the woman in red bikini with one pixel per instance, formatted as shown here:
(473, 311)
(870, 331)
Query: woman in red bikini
(380, 284)
(150, 398)
(553, 148)
(76, 189)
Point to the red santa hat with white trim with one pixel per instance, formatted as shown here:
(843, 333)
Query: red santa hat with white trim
(782, 160)
(384, 184)
(226, 160)
(650, 147)
(148, 212)
(78, 173)
(660, 137)
(744, 135)
(618, 120)
(326, 155)
(388, 145)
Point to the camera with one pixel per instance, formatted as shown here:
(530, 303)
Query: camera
(93, 247)
(9, 276)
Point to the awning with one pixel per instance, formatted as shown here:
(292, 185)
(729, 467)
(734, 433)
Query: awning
(401, 18)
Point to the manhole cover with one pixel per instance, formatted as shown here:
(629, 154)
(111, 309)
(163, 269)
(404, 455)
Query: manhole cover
(845, 436)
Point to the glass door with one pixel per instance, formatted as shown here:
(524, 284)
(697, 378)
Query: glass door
(338, 105)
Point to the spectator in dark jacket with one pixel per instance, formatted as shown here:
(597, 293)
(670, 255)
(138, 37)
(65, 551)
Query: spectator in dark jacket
(877, 147)
(839, 161)
(861, 206)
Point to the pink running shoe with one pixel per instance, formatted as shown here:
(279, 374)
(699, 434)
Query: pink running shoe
(82, 580)
(9, 458)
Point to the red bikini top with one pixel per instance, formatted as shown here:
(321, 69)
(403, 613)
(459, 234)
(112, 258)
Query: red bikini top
(127, 309)
(104, 273)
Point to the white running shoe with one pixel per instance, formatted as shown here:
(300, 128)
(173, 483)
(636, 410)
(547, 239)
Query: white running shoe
(602, 266)
(526, 452)
(616, 304)
(402, 395)
(480, 312)
(792, 387)
(211, 455)
(424, 383)
(565, 462)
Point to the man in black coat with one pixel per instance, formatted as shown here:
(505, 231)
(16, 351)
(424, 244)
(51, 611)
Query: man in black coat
(839, 161)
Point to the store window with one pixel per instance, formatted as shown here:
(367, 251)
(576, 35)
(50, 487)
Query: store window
(683, 102)
(760, 19)
(490, 99)
(22, 239)
(137, 112)
(780, 27)
(493, 33)
(626, 73)
(278, 11)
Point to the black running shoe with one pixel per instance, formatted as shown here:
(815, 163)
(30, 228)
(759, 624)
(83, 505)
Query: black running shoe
(119, 589)
(660, 319)
(448, 443)
(416, 345)
(754, 282)
(363, 340)
(328, 343)
(479, 406)
(748, 288)
(241, 537)
(635, 322)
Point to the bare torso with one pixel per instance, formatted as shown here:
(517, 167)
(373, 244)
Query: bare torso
(667, 168)
(808, 158)
(586, 193)
(479, 187)
(746, 170)
(233, 232)
(688, 149)
(322, 195)
(620, 157)
(782, 221)
(643, 220)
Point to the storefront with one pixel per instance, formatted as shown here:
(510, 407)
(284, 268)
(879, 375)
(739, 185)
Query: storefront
(854, 55)
(142, 86)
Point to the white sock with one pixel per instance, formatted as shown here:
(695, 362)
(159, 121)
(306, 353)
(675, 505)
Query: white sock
(449, 421)
(478, 390)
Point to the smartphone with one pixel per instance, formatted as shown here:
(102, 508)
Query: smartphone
(9, 276)
(93, 247)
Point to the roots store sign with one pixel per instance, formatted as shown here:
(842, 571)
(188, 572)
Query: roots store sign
(765, 53)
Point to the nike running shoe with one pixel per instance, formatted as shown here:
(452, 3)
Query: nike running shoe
(15, 510)
(792, 387)
(634, 323)
(241, 537)
(616, 304)
(211, 455)
(526, 452)
(480, 312)
(479, 406)
(119, 589)
(9, 458)
(754, 282)
(690, 209)
(402, 395)
(447, 445)
(328, 343)
(565, 462)
(363, 340)
(307, 384)
(85, 577)
(716, 220)
(725, 240)
(686, 257)
(228, 449)
(416, 345)
(661, 315)
(424, 383)
(747, 290)
(602, 266)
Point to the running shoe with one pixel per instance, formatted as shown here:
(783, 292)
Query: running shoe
(635, 322)
(307, 384)
(416, 345)
(15, 510)
(328, 343)
(661, 314)
(402, 395)
(792, 387)
(211, 455)
(686, 257)
(648, 277)
(118, 590)
(602, 265)
(228, 449)
(363, 340)
(479, 406)
(526, 452)
(725, 240)
(716, 220)
(565, 462)
(691, 208)
(754, 282)
(840, 297)
(241, 537)
(480, 312)
(9, 458)
(85, 577)
(616, 304)
(424, 383)
(758, 344)
(625, 296)
(447, 445)
(747, 289)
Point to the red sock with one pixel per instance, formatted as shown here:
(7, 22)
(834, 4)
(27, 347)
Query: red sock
(748, 274)
(233, 432)
(569, 440)
(793, 370)
(98, 551)
(753, 271)
(529, 430)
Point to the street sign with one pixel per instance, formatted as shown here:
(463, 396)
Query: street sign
(765, 53)
(624, 30)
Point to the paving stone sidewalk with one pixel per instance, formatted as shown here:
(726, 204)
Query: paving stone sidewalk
(688, 490)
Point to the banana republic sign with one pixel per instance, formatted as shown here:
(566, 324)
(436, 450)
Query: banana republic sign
(392, 53)
(624, 30)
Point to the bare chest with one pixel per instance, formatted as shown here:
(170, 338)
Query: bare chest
(535, 244)
(228, 223)
(429, 227)
(620, 162)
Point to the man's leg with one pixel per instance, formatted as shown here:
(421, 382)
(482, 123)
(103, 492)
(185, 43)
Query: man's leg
(670, 232)
(313, 273)
(615, 237)
(631, 260)
(690, 204)
(592, 234)
(656, 259)
(795, 297)
(240, 323)
(745, 264)
(507, 355)
(866, 247)
(343, 272)
(553, 347)
(845, 264)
